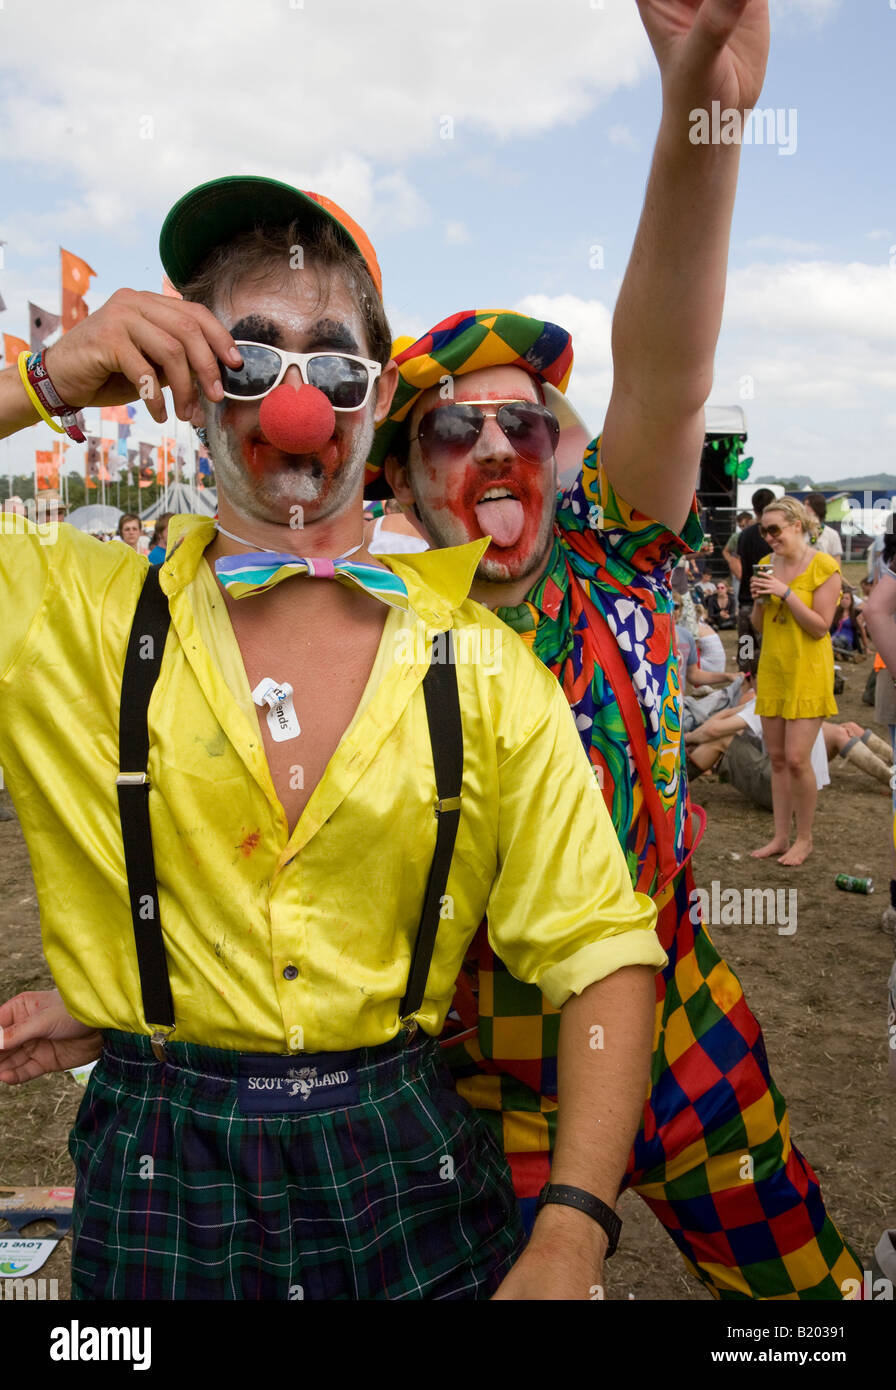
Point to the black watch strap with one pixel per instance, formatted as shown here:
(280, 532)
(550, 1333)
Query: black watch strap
(584, 1201)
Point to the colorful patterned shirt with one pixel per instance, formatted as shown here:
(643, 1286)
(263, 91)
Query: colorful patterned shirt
(622, 559)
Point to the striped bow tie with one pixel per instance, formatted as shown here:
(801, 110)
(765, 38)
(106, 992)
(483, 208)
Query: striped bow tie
(242, 575)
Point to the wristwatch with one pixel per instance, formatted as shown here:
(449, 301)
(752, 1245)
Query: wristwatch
(584, 1201)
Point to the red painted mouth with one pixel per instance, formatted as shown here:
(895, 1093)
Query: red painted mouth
(263, 457)
(502, 518)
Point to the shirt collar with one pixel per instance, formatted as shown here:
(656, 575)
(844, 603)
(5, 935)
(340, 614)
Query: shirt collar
(437, 581)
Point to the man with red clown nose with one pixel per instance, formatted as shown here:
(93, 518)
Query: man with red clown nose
(262, 845)
(470, 443)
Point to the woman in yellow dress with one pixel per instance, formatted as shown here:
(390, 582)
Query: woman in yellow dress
(795, 590)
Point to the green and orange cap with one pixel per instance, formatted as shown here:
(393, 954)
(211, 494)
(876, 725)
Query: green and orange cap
(216, 212)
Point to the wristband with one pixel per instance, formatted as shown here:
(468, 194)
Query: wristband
(586, 1202)
(45, 397)
(785, 593)
(34, 398)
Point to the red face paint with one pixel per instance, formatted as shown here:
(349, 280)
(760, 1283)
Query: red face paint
(459, 491)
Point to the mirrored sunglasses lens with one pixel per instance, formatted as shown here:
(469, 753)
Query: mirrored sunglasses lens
(343, 382)
(532, 430)
(257, 374)
(450, 429)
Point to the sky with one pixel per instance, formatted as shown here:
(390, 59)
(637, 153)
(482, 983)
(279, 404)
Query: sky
(496, 152)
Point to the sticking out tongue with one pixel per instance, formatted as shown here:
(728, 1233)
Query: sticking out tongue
(502, 519)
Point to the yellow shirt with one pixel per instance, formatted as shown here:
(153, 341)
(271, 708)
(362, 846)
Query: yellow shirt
(241, 899)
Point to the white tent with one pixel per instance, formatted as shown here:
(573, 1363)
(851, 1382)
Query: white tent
(183, 497)
(94, 518)
(725, 419)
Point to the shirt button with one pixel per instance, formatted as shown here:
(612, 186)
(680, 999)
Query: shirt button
(290, 972)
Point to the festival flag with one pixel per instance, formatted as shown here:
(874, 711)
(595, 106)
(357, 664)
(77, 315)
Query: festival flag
(12, 347)
(169, 290)
(105, 475)
(92, 461)
(132, 463)
(47, 467)
(76, 277)
(118, 414)
(168, 457)
(147, 471)
(42, 325)
(203, 465)
(123, 435)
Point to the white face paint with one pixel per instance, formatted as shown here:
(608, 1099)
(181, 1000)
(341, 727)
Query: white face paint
(258, 480)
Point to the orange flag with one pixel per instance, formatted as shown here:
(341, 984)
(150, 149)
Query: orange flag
(47, 461)
(104, 475)
(76, 277)
(12, 347)
(119, 413)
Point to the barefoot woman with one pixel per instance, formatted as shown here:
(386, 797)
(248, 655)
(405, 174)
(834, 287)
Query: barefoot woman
(795, 592)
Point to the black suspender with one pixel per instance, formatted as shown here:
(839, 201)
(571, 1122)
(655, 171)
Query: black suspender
(141, 670)
(446, 737)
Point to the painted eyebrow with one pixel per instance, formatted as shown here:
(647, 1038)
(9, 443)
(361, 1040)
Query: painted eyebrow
(330, 333)
(325, 333)
(255, 329)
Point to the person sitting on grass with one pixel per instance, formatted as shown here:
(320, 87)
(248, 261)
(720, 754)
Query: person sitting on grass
(848, 631)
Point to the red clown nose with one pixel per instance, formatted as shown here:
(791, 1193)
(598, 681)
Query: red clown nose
(297, 421)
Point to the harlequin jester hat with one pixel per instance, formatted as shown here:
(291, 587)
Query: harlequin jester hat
(467, 342)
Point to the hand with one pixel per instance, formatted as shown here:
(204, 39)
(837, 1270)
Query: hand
(764, 582)
(39, 1036)
(563, 1260)
(708, 50)
(137, 343)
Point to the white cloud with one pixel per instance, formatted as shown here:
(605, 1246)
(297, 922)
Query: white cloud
(785, 246)
(855, 301)
(148, 103)
(456, 233)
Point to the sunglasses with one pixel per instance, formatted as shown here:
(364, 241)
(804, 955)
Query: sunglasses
(450, 431)
(346, 381)
(773, 531)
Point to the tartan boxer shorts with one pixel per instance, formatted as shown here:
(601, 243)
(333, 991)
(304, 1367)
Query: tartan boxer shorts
(395, 1191)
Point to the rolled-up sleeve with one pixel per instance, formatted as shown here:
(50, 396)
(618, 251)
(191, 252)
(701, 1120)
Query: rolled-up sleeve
(562, 913)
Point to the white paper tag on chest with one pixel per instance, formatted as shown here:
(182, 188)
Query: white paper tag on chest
(282, 720)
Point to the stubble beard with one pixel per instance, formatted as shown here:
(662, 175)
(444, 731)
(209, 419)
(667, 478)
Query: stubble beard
(445, 530)
(271, 497)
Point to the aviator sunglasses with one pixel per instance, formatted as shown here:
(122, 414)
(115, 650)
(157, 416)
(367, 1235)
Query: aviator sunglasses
(450, 431)
(345, 380)
(773, 531)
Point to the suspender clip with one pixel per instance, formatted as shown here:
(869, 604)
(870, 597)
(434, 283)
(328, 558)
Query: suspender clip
(409, 1027)
(446, 803)
(157, 1043)
(131, 779)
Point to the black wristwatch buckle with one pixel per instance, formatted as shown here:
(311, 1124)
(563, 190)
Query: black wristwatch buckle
(589, 1204)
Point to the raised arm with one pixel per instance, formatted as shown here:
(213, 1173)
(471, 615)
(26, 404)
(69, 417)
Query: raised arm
(669, 309)
(126, 351)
